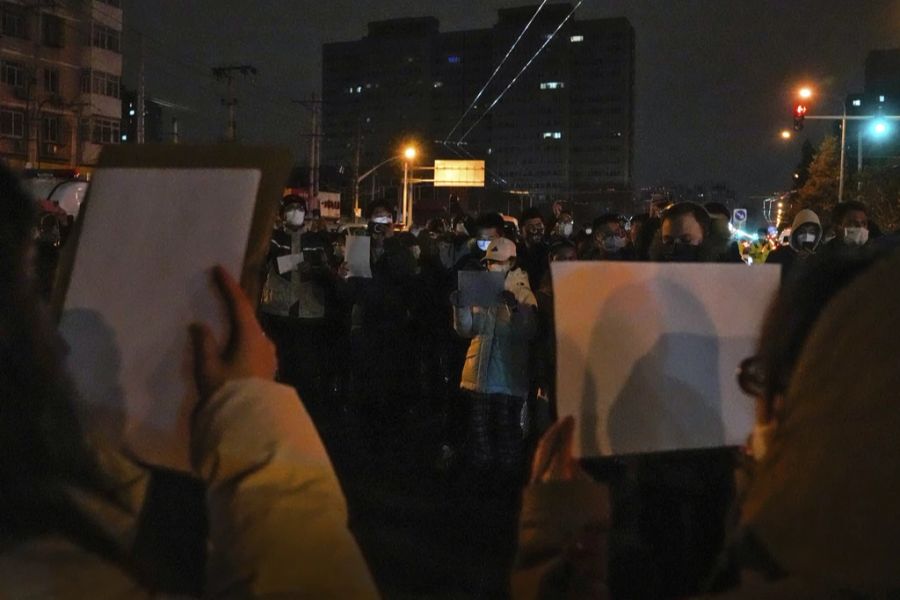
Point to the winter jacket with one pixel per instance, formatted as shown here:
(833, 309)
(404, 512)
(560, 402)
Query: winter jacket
(497, 359)
(277, 517)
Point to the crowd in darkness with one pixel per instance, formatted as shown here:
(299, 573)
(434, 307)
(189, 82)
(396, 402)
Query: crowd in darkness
(802, 510)
(399, 344)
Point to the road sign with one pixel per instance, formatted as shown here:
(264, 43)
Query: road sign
(459, 173)
(739, 218)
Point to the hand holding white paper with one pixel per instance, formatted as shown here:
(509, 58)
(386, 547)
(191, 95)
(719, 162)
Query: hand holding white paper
(141, 276)
(647, 353)
(288, 262)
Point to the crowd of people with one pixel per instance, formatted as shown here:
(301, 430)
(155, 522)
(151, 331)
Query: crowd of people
(803, 512)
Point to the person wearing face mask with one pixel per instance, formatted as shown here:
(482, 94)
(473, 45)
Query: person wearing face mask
(495, 376)
(565, 227)
(608, 239)
(806, 234)
(851, 228)
(301, 308)
(682, 236)
(532, 251)
(487, 228)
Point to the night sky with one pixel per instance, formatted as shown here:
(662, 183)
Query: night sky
(714, 77)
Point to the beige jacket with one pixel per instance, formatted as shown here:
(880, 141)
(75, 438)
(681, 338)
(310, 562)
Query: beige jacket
(277, 516)
(497, 359)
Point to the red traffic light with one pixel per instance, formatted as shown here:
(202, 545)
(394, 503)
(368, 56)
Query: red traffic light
(800, 110)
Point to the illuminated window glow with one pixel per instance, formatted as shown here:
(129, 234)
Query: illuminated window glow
(552, 85)
(554, 135)
(576, 38)
(857, 102)
(454, 60)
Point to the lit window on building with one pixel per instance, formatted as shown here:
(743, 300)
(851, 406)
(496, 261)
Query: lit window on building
(552, 85)
(438, 84)
(552, 135)
(881, 98)
(576, 39)
(453, 59)
(857, 102)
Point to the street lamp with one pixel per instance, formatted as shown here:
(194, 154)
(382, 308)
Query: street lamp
(805, 93)
(409, 154)
(786, 135)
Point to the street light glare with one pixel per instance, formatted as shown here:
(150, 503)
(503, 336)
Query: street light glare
(806, 93)
(880, 128)
(785, 134)
(410, 152)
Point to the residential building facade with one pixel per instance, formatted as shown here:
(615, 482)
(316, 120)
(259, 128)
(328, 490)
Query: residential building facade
(563, 130)
(60, 81)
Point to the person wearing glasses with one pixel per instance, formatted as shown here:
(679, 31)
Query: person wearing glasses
(821, 473)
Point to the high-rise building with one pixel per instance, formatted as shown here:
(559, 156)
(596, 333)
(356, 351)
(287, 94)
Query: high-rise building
(563, 130)
(60, 81)
(876, 142)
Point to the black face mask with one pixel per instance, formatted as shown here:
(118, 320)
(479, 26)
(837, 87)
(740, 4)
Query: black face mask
(681, 253)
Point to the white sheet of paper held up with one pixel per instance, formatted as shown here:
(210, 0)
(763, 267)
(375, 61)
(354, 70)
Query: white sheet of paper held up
(141, 276)
(647, 353)
(359, 248)
(288, 262)
(480, 288)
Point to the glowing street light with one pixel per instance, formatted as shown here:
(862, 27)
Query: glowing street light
(409, 154)
(786, 135)
(880, 128)
(805, 92)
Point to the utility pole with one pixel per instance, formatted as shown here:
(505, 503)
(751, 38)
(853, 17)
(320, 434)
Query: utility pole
(141, 99)
(356, 211)
(228, 74)
(314, 147)
(174, 130)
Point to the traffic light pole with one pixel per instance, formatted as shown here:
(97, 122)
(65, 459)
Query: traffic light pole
(843, 119)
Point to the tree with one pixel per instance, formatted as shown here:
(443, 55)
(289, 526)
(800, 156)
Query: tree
(801, 174)
(879, 188)
(820, 192)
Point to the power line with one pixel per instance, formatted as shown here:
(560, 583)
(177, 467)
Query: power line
(519, 74)
(497, 70)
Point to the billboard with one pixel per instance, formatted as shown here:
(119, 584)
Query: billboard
(458, 173)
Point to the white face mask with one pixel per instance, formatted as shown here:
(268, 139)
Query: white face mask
(295, 218)
(806, 238)
(483, 245)
(567, 229)
(383, 220)
(416, 252)
(499, 267)
(614, 243)
(856, 236)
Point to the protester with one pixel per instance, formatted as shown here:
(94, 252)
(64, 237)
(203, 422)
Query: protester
(488, 227)
(303, 306)
(683, 233)
(806, 234)
(565, 226)
(807, 502)
(608, 239)
(70, 509)
(495, 375)
(850, 221)
(532, 251)
(720, 242)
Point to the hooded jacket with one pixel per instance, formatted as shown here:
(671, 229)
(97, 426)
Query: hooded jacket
(497, 359)
(805, 217)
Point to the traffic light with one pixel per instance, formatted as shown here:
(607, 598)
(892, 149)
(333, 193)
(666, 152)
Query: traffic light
(799, 116)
